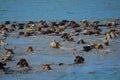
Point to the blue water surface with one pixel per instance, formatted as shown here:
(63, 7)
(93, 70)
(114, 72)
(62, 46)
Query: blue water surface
(105, 67)
(24, 10)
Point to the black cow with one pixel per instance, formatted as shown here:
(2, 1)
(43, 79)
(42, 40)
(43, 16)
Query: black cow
(2, 66)
(87, 48)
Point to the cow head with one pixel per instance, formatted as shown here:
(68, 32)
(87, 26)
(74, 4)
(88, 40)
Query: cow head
(2, 42)
(29, 49)
(23, 63)
(46, 67)
(55, 44)
(9, 50)
(79, 59)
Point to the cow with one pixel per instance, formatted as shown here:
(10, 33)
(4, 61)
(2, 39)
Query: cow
(70, 38)
(67, 36)
(8, 54)
(98, 46)
(6, 57)
(64, 35)
(108, 37)
(2, 42)
(61, 28)
(10, 50)
(93, 46)
(4, 32)
(22, 63)
(88, 32)
(29, 49)
(2, 66)
(44, 24)
(106, 42)
(57, 45)
(47, 67)
(81, 41)
(21, 33)
(113, 34)
(78, 59)
(87, 48)
(73, 24)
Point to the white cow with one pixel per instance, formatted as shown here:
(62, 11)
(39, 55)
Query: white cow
(57, 45)
(2, 42)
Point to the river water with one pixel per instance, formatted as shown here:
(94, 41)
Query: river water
(99, 64)
(24, 10)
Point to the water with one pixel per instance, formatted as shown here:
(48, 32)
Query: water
(101, 66)
(24, 10)
(98, 66)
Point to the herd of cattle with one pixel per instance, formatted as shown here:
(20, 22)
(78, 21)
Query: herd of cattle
(55, 28)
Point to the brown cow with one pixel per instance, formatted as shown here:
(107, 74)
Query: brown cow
(98, 46)
(9, 50)
(79, 59)
(73, 24)
(29, 49)
(23, 63)
(88, 32)
(47, 67)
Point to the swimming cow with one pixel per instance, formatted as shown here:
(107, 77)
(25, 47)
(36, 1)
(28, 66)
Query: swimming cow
(29, 49)
(2, 66)
(47, 67)
(79, 59)
(87, 48)
(57, 45)
(80, 41)
(2, 42)
(8, 54)
(23, 63)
